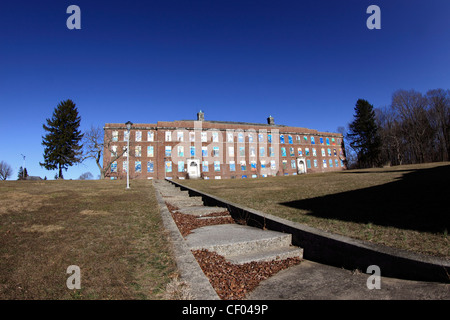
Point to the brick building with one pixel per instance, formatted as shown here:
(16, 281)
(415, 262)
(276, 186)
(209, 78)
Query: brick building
(219, 150)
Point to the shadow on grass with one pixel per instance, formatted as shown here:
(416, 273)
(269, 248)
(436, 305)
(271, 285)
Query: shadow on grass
(419, 201)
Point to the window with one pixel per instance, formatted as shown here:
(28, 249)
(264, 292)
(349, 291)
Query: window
(231, 151)
(230, 137)
(215, 137)
(168, 166)
(242, 151)
(126, 135)
(307, 151)
(262, 152)
(250, 138)
(323, 152)
(283, 151)
(240, 137)
(204, 136)
(291, 152)
(313, 141)
(216, 166)
(308, 164)
(150, 167)
(328, 141)
(168, 152)
(137, 166)
(137, 151)
(205, 166)
(300, 153)
(334, 152)
(253, 165)
(331, 163)
(273, 165)
(150, 152)
(252, 152)
(260, 137)
(315, 163)
(336, 163)
(180, 136)
(321, 140)
(138, 136)
(271, 152)
(290, 139)
(243, 165)
(293, 164)
(215, 151)
(284, 163)
(324, 164)
(115, 136)
(150, 136)
(269, 138)
(180, 151)
(204, 151)
(297, 138)
(113, 151)
(281, 138)
(329, 152)
(192, 149)
(191, 136)
(180, 166)
(114, 166)
(263, 164)
(232, 166)
(168, 136)
(314, 152)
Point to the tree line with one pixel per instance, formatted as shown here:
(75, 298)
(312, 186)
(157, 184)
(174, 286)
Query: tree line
(414, 128)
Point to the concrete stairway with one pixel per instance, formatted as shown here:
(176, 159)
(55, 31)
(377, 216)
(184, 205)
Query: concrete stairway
(241, 244)
(237, 243)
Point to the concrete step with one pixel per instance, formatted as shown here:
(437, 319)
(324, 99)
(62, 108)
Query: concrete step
(181, 203)
(267, 255)
(201, 210)
(234, 240)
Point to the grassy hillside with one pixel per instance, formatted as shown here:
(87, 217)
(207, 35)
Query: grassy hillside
(115, 237)
(405, 206)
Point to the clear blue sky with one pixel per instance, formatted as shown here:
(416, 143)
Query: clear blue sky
(304, 62)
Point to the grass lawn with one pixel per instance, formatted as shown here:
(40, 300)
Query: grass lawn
(115, 236)
(405, 206)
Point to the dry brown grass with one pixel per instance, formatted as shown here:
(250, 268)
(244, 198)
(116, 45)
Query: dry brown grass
(404, 207)
(115, 236)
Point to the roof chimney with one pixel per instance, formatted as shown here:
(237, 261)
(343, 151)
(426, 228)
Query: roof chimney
(201, 116)
(270, 120)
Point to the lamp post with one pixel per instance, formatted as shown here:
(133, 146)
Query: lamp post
(128, 124)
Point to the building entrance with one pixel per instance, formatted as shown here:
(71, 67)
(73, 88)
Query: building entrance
(193, 167)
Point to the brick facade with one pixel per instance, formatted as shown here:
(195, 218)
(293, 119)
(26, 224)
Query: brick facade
(221, 149)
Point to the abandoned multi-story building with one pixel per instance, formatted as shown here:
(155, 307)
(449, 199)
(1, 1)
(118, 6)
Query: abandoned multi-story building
(218, 150)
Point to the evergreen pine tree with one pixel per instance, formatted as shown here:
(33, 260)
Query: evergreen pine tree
(62, 148)
(363, 134)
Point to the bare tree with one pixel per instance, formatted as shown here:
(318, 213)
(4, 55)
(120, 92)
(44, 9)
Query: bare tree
(5, 170)
(439, 104)
(95, 142)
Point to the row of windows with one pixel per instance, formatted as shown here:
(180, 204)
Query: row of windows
(232, 165)
(230, 137)
(231, 153)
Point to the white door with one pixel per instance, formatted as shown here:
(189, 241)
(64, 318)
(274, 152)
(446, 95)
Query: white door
(193, 167)
(301, 167)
